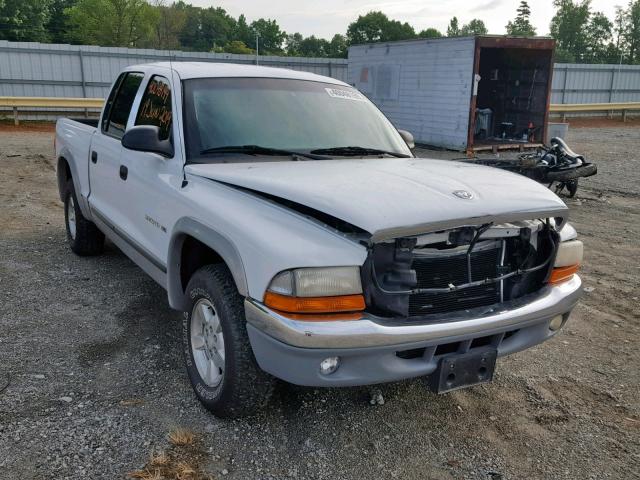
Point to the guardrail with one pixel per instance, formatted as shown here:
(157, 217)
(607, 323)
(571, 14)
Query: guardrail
(85, 103)
(565, 108)
(54, 103)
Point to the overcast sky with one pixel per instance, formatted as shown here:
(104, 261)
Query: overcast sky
(324, 18)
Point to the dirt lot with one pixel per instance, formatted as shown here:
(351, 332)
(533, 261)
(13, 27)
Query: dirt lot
(92, 382)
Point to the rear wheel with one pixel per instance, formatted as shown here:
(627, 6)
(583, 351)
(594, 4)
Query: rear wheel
(220, 363)
(83, 236)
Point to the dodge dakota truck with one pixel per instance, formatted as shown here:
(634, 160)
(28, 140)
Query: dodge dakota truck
(291, 222)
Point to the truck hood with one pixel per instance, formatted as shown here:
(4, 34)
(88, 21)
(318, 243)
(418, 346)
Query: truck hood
(395, 197)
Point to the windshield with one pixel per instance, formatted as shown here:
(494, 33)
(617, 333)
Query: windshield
(282, 114)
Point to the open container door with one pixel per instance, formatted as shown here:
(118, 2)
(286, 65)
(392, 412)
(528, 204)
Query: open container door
(512, 90)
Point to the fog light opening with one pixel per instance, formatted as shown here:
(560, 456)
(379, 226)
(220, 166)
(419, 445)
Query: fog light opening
(329, 365)
(556, 322)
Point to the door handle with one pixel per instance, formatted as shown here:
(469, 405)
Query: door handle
(124, 171)
(94, 156)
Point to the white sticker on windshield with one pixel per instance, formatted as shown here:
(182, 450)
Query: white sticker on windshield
(345, 94)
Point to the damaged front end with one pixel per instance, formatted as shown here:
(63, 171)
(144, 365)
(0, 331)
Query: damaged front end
(458, 269)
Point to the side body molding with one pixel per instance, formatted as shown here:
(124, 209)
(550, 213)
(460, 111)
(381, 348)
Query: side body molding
(189, 227)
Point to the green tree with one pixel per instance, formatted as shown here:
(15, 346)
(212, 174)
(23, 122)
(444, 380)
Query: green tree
(293, 42)
(599, 39)
(170, 22)
(242, 31)
(238, 47)
(521, 26)
(430, 33)
(314, 47)
(24, 20)
(399, 31)
(189, 36)
(216, 27)
(620, 27)
(376, 27)
(453, 30)
(58, 24)
(474, 27)
(206, 29)
(569, 27)
(632, 34)
(271, 38)
(113, 23)
(338, 47)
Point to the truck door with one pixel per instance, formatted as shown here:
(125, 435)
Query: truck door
(106, 151)
(153, 179)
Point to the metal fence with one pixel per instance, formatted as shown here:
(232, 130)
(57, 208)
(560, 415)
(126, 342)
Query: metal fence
(56, 70)
(584, 83)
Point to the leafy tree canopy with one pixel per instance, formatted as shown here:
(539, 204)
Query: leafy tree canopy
(430, 33)
(453, 30)
(521, 26)
(474, 27)
(569, 26)
(581, 34)
(376, 27)
(24, 20)
(117, 23)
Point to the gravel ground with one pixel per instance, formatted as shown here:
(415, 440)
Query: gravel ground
(92, 382)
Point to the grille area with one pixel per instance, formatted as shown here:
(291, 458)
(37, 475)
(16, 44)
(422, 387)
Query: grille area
(437, 271)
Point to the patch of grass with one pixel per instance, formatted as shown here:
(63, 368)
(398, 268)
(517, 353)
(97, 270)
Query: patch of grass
(158, 459)
(147, 474)
(181, 461)
(181, 437)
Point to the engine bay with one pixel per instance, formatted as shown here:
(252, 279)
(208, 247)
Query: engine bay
(458, 269)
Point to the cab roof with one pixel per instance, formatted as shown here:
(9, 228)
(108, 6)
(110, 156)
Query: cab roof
(187, 70)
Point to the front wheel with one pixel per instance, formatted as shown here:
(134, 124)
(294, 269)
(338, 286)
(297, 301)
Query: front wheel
(220, 363)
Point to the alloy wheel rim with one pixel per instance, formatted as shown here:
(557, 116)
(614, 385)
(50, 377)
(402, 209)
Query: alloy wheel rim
(71, 217)
(207, 343)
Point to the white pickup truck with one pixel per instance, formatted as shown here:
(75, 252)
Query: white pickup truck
(290, 221)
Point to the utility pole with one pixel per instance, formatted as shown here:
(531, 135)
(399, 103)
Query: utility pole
(257, 45)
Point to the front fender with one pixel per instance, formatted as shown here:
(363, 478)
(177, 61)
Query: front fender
(189, 227)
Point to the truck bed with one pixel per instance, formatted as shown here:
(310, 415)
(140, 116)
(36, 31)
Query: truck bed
(92, 122)
(75, 135)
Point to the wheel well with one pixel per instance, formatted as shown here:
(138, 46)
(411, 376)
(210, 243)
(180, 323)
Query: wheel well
(63, 173)
(63, 168)
(193, 256)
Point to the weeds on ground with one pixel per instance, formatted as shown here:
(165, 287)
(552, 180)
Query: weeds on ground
(181, 437)
(181, 461)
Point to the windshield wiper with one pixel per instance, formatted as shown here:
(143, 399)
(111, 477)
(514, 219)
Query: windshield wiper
(259, 150)
(356, 152)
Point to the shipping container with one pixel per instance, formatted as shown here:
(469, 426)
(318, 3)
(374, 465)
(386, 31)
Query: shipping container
(462, 93)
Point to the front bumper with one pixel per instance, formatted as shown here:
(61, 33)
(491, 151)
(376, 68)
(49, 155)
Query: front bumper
(375, 350)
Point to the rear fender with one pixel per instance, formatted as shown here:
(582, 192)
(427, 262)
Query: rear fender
(65, 159)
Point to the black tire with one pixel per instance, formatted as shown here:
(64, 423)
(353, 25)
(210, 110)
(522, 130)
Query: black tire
(88, 239)
(572, 173)
(572, 187)
(244, 387)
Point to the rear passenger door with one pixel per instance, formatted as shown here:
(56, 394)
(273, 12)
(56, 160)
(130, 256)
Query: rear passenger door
(106, 152)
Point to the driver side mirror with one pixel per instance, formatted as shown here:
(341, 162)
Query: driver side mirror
(146, 138)
(408, 138)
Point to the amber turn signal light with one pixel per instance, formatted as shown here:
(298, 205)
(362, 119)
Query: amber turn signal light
(562, 274)
(343, 303)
